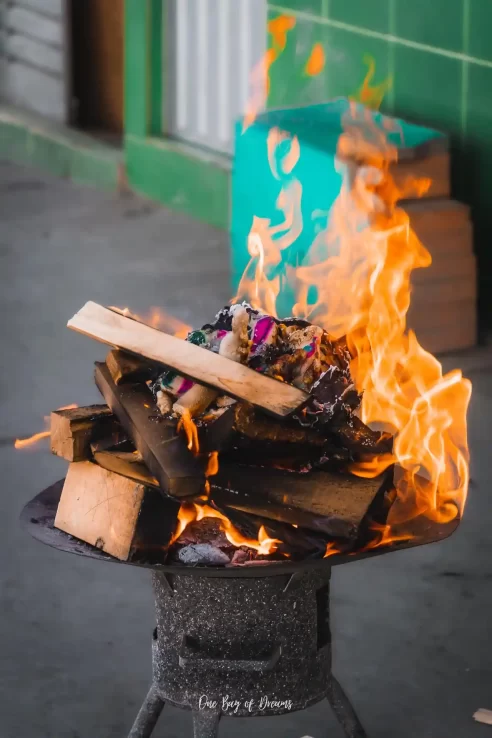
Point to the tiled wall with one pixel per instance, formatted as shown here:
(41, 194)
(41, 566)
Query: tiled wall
(439, 56)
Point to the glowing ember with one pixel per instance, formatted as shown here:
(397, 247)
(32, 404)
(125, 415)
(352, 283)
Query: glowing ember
(34, 439)
(191, 512)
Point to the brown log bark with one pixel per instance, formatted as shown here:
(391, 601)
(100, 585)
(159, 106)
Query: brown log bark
(179, 473)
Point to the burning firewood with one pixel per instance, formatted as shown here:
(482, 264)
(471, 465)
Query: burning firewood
(125, 367)
(179, 473)
(73, 430)
(127, 520)
(216, 371)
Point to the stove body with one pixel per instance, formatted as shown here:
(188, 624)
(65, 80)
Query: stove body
(242, 647)
(242, 641)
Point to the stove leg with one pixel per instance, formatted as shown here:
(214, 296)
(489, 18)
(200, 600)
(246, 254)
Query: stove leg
(344, 711)
(148, 716)
(205, 724)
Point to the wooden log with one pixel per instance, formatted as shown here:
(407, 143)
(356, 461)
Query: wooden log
(339, 502)
(294, 510)
(117, 515)
(127, 463)
(179, 473)
(72, 431)
(229, 377)
(125, 367)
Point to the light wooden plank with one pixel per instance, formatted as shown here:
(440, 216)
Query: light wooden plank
(209, 368)
(100, 508)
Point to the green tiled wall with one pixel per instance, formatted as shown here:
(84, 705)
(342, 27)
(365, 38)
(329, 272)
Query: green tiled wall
(439, 56)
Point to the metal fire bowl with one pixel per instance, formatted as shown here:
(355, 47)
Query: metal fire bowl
(39, 514)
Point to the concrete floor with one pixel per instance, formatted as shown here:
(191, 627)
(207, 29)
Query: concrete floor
(411, 629)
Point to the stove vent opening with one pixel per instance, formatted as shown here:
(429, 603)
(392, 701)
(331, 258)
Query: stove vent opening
(323, 616)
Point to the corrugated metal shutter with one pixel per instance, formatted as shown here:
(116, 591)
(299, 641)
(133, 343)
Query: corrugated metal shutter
(32, 56)
(212, 46)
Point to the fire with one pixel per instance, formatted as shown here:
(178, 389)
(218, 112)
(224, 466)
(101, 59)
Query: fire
(157, 318)
(187, 424)
(359, 268)
(370, 95)
(34, 439)
(316, 62)
(191, 512)
(331, 550)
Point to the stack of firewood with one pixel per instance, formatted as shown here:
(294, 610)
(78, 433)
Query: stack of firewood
(131, 469)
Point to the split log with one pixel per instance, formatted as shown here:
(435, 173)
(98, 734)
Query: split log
(312, 513)
(126, 463)
(73, 431)
(337, 502)
(229, 377)
(179, 473)
(122, 518)
(125, 367)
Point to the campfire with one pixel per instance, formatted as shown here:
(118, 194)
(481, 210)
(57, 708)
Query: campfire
(243, 459)
(260, 438)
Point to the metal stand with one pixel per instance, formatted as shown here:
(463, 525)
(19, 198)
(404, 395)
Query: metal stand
(206, 722)
(344, 712)
(148, 716)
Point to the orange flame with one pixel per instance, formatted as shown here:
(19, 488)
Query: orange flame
(316, 62)
(360, 267)
(34, 439)
(331, 550)
(191, 512)
(260, 76)
(370, 95)
(187, 424)
(157, 318)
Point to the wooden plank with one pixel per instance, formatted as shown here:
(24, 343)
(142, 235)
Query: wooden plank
(180, 474)
(444, 267)
(483, 716)
(73, 431)
(237, 380)
(436, 167)
(125, 367)
(341, 501)
(293, 510)
(127, 463)
(115, 514)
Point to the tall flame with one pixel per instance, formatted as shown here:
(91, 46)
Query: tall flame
(360, 267)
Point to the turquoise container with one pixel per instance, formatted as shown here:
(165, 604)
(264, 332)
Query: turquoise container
(255, 189)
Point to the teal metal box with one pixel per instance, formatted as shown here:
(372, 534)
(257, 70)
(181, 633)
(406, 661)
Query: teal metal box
(255, 189)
